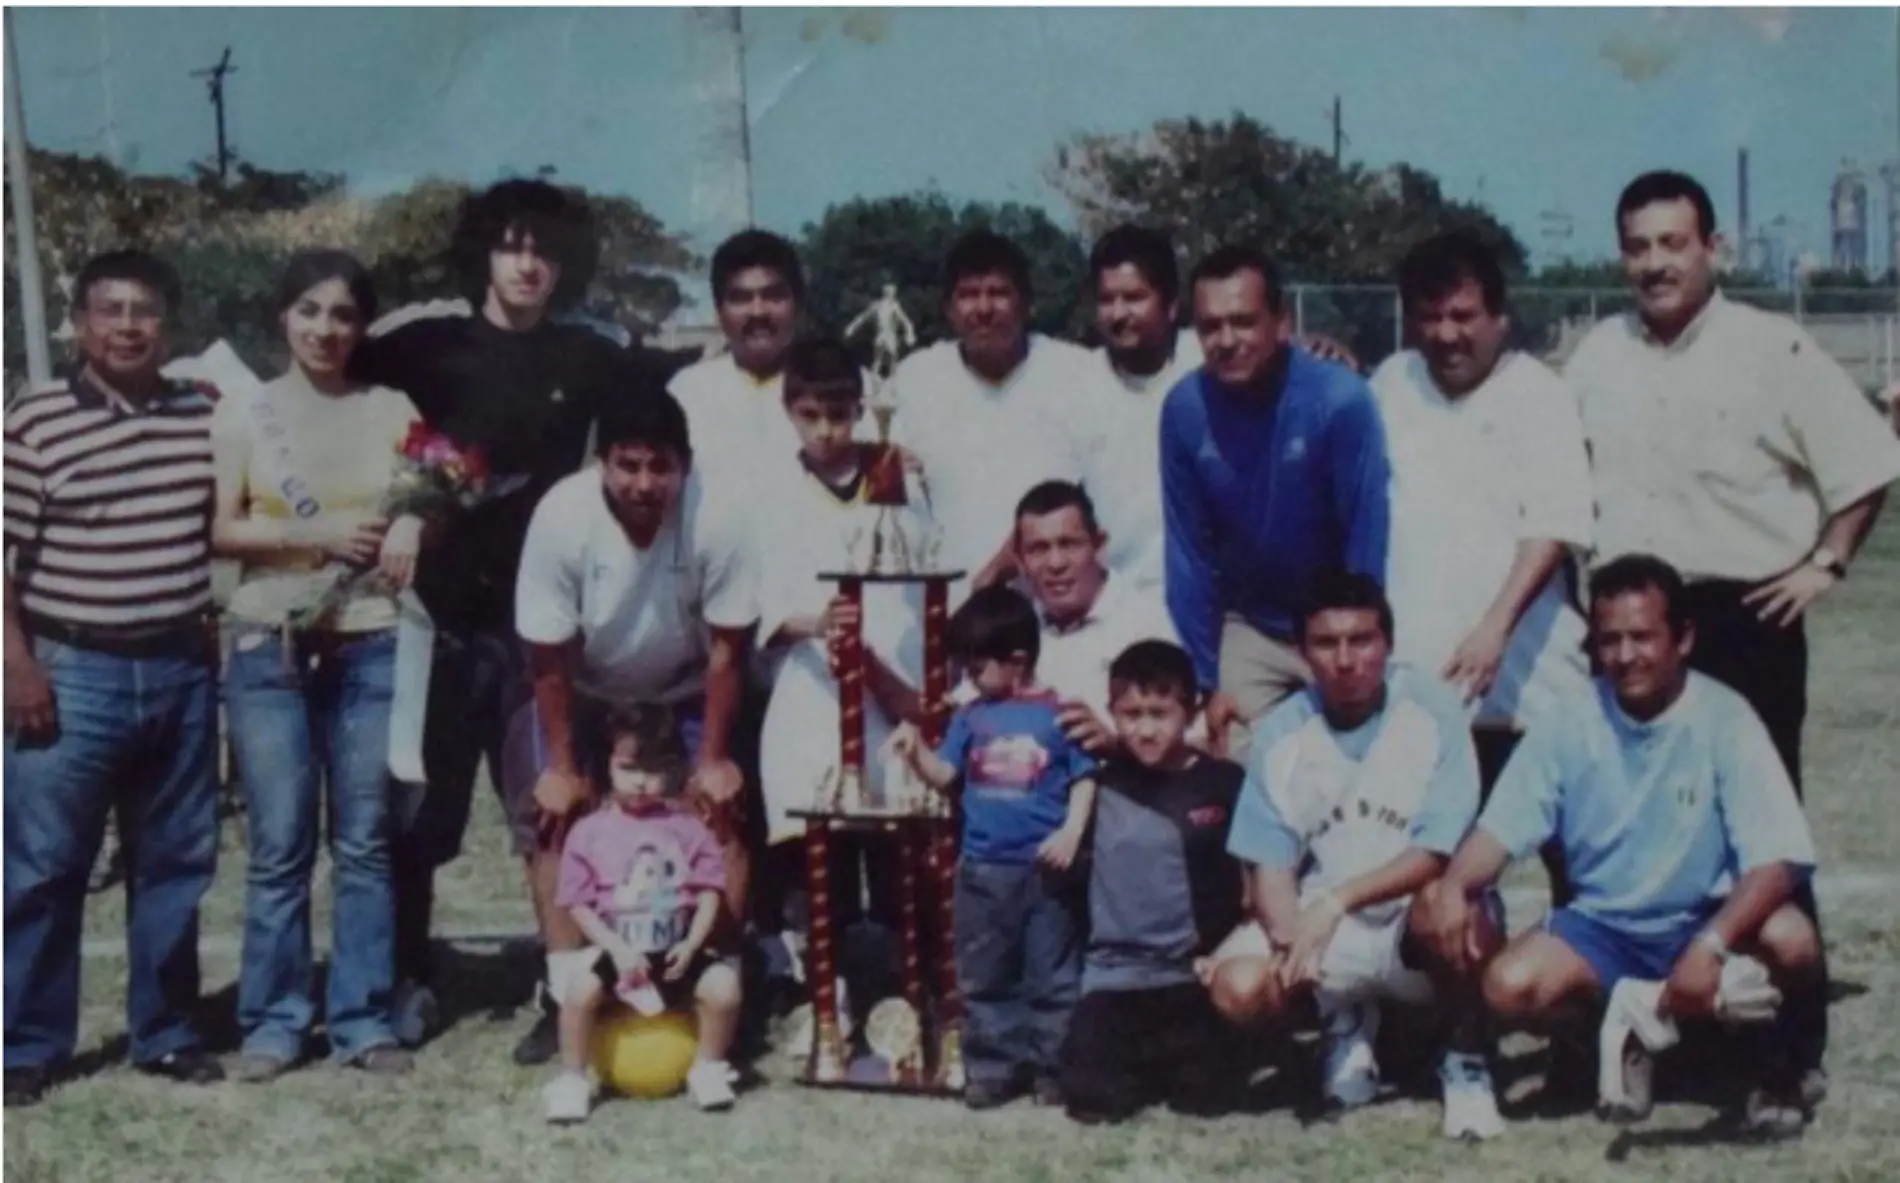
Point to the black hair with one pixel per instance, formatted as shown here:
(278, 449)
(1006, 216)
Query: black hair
(756, 248)
(822, 368)
(1159, 667)
(1052, 496)
(1147, 251)
(658, 745)
(137, 267)
(1666, 185)
(995, 624)
(1639, 573)
(1346, 589)
(1436, 267)
(643, 416)
(562, 225)
(1225, 262)
(985, 252)
(307, 269)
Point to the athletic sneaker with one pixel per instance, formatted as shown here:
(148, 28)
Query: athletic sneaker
(1351, 1070)
(1471, 1104)
(710, 1082)
(1774, 1114)
(568, 1097)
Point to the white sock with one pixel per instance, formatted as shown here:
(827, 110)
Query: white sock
(565, 967)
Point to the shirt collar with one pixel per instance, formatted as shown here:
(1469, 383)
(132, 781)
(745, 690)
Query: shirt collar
(89, 395)
(1717, 306)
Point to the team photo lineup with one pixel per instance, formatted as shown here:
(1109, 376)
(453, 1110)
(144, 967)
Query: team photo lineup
(1237, 678)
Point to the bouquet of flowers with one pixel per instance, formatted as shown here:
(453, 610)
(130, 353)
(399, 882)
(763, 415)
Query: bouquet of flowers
(434, 479)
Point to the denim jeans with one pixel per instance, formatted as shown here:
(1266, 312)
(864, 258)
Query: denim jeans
(300, 718)
(1019, 968)
(138, 734)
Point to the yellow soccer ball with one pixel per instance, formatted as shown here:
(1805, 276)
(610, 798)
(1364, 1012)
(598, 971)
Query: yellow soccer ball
(645, 1056)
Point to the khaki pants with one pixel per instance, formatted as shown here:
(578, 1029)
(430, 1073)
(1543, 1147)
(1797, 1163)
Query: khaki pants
(1257, 672)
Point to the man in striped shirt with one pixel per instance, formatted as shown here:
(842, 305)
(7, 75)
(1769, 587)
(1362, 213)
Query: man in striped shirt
(110, 691)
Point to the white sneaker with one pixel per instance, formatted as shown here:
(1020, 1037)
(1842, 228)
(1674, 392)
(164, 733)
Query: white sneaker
(569, 1097)
(1352, 1070)
(710, 1082)
(1471, 1104)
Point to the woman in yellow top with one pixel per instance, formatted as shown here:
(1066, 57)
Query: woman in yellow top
(302, 466)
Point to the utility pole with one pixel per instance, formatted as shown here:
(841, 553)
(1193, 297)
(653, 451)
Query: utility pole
(39, 365)
(214, 82)
(1339, 130)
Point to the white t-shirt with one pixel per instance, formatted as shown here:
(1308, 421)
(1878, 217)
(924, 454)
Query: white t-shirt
(1074, 660)
(983, 446)
(1121, 460)
(736, 422)
(644, 616)
(1471, 478)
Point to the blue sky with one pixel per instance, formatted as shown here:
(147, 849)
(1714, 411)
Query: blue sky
(1528, 111)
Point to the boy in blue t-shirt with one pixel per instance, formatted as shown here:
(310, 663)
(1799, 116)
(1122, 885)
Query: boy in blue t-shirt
(1026, 801)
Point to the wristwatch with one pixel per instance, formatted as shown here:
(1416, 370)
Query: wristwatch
(1828, 561)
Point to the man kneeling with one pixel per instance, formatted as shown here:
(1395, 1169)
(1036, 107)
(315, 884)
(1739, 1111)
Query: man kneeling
(1357, 791)
(1662, 787)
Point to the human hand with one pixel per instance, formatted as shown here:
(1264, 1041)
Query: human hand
(402, 543)
(1783, 600)
(1222, 717)
(1319, 919)
(678, 959)
(356, 539)
(1085, 728)
(905, 742)
(1693, 985)
(32, 713)
(1329, 349)
(1059, 849)
(1474, 665)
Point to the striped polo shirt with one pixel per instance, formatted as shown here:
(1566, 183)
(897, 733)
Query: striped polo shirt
(108, 508)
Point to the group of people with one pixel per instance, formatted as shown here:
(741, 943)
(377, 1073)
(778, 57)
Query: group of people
(1268, 670)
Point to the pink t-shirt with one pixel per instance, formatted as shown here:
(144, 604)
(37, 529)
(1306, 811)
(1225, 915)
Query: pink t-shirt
(641, 873)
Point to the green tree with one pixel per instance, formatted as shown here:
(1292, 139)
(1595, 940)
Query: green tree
(860, 245)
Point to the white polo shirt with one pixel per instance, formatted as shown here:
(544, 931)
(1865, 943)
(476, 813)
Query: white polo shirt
(644, 616)
(1121, 460)
(1725, 451)
(984, 445)
(737, 423)
(1473, 477)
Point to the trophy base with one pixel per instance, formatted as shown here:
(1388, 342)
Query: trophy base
(870, 1073)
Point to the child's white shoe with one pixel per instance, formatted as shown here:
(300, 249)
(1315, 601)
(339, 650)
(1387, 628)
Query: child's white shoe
(710, 1082)
(569, 1097)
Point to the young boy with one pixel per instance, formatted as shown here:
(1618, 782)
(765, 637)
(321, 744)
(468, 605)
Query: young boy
(1027, 793)
(644, 879)
(1163, 894)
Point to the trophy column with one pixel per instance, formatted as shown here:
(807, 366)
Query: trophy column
(941, 845)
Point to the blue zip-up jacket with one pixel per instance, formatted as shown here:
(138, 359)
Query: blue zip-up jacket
(1261, 496)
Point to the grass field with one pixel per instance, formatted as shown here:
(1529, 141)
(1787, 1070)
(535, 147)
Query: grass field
(470, 1114)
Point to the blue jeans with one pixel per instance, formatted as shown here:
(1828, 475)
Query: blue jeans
(318, 712)
(1019, 968)
(139, 734)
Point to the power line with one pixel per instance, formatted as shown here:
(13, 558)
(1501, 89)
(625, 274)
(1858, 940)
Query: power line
(214, 77)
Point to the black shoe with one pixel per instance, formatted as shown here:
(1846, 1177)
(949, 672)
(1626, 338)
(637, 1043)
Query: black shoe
(25, 1086)
(187, 1067)
(543, 1040)
(987, 1094)
(1047, 1092)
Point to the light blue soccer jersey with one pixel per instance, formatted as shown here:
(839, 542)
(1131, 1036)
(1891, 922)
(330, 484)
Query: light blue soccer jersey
(1335, 804)
(1654, 818)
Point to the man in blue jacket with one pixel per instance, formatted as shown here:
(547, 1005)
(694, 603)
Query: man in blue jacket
(1273, 469)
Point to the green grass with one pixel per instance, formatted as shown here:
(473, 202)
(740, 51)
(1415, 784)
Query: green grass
(470, 1114)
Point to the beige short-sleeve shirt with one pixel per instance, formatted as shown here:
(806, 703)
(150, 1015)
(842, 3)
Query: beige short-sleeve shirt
(1725, 451)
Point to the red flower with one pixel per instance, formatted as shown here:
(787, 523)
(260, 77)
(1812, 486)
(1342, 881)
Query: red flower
(417, 441)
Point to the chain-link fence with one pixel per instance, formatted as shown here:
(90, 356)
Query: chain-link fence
(1859, 327)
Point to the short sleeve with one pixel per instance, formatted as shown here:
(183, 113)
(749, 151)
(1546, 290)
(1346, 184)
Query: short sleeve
(1522, 811)
(955, 748)
(1760, 812)
(1077, 763)
(1555, 497)
(548, 586)
(731, 574)
(1451, 795)
(25, 492)
(1835, 430)
(579, 884)
(705, 862)
(1260, 834)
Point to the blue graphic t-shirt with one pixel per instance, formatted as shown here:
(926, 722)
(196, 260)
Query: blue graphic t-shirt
(1017, 767)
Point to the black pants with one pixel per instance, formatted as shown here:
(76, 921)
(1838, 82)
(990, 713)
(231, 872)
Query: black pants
(1767, 664)
(1127, 1049)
